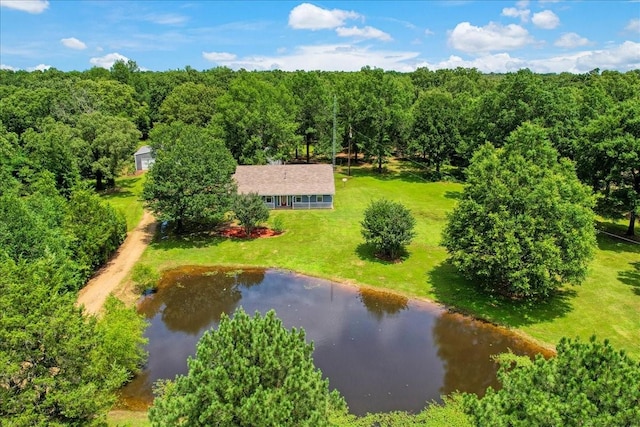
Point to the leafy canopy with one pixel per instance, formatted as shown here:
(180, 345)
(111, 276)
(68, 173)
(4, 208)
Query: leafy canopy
(586, 384)
(388, 226)
(249, 372)
(191, 180)
(524, 225)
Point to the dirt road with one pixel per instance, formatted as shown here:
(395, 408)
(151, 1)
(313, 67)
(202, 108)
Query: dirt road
(105, 281)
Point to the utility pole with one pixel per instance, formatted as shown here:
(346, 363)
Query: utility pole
(349, 153)
(334, 133)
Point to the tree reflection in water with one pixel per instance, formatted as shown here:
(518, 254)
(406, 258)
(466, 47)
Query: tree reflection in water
(380, 303)
(189, 301)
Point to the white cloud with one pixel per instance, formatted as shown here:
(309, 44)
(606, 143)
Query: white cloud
(513, 12)
(428, 32)
(623, 57)
(108, 60)
(7, 67)
(309, 17)
(39, 67)
(366, 33)
(30, 6)
(522, 4)
(491, 37)
(166, 19)
(338, 57)
(73, 43)
(546, 20)
(218, 56)
(633, 25)
(571, 40)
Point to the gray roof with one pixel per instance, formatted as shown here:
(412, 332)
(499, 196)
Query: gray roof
(143, 150)
(285, 180)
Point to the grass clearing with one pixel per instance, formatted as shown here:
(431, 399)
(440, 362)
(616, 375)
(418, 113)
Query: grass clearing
(328, 244)
(126, 198)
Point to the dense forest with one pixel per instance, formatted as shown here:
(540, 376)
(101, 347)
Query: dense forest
(88, 124)
(64, 135)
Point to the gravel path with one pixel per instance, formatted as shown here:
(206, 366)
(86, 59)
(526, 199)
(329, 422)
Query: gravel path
(95, 293)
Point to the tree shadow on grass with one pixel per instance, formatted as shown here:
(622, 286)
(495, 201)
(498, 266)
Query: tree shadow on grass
(613, 244)
(631, 277)
(455, 195)
(462, 295)
(166, 238)
(367, 252)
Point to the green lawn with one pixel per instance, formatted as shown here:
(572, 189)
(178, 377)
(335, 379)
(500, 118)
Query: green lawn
(327, 243)
(126, 198)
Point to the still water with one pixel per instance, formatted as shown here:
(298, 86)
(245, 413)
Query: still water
(383, 352)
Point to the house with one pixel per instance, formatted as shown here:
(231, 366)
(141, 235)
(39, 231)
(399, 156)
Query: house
(289, 186)
(144, 158)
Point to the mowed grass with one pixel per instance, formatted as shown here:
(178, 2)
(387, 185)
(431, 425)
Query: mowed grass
(126, 198)
(328, 244)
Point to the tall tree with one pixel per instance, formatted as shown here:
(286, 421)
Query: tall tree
(524, 226)
(54, 148)
(383, 113)
(190, 103)
(256, 119)
(609, 159)
(314, 109)
(191, 180)
(248, 372)
(109, 142)
(435, 131)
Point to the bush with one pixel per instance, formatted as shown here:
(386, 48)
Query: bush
(144, 277)
(388, 226)
(250, 211)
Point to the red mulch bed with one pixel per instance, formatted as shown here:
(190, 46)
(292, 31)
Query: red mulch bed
(237, 232)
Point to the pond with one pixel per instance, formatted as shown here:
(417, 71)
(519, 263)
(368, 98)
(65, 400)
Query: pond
(382, 351)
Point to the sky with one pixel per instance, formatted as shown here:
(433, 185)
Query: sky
(546, 36)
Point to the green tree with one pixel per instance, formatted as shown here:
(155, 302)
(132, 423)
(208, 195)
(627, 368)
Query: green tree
(55, 371)
(109, 142)
(256, 119)
(383, 115)
(191, 180)
(96, 230)
(248, 372)
(609, 158)
(524, 226)
(190, 103)
(586, 384)
(250, 211)
(388, 226)
(435, 132)
(54, 148)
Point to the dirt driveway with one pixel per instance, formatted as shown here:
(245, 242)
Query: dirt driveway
(105, 281)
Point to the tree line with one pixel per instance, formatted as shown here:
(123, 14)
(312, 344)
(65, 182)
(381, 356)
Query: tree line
(92, 121)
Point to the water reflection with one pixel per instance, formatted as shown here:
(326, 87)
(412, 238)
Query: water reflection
(383, 352)
(381, 303)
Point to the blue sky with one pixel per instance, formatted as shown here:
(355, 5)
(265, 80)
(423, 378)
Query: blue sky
(493, 36)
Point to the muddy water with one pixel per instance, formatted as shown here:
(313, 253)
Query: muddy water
(383, 352)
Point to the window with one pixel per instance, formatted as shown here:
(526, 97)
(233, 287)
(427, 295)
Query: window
(318, 198)
(298, 199)
(268, 199)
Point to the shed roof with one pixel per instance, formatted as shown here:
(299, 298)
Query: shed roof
(143, 150)
(285, 180)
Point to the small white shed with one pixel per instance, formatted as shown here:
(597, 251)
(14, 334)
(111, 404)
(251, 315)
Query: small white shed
(144, 158)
